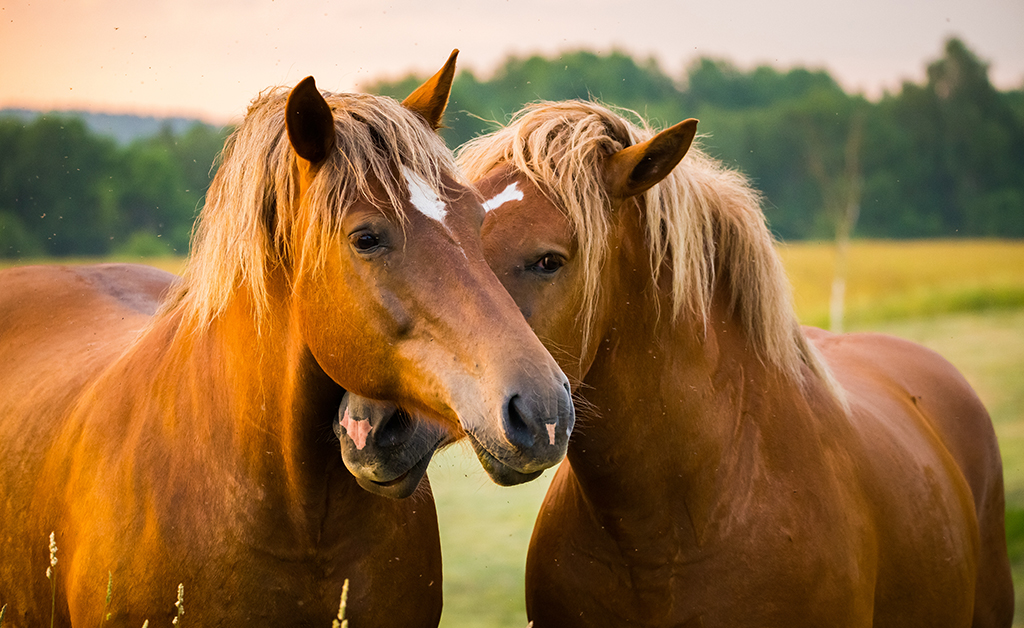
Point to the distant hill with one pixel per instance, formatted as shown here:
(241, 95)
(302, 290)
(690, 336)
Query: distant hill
(123, 128)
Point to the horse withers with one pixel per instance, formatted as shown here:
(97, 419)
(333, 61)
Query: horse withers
(730, 467)
(179, 431)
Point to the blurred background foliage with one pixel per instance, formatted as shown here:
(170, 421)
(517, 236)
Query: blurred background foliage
(65, 190)
(944, 158)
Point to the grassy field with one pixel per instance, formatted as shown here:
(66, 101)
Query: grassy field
(898, 280)
(964, 299)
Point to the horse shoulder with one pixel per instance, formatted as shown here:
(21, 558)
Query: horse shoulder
(574, 573)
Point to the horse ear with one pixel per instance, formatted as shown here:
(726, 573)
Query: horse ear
(310, 122)
(430, 99)
(636, 169)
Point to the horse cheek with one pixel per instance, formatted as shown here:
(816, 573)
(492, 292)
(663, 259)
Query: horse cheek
(328, 328)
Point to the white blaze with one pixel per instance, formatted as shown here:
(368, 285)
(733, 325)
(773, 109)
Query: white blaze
(423, 198)
(510, 193)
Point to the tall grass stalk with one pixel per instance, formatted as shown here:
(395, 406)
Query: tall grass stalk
(106, 604)
(341, 622)
(51, 574)
(180, 605)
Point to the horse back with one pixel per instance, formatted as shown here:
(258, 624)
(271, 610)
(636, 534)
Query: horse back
(899, 387)
(60, 325)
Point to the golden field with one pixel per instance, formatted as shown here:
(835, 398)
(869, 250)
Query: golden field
(889, 280)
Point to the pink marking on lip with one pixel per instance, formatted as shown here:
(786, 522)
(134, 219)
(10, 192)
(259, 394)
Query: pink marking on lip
(356, 430)
(551, 433)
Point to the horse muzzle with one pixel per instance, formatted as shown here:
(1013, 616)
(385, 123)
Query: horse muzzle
(533, 435)
(384, 447)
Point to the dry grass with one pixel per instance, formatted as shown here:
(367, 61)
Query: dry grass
(170, 264)
(890, 280)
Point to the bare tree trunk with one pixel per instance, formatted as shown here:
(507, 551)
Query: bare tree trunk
(841, 195)
(837, 301)
(846, 220)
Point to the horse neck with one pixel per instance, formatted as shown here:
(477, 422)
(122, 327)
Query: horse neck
(678, 406)
(258, 396)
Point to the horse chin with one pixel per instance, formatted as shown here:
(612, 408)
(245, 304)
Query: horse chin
(400, 487)
(499, 472)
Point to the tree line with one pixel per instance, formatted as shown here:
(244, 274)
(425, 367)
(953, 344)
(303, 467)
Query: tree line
(65, 190)
(944, 158)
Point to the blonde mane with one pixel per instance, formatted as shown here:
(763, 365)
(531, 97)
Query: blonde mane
(252, 223)
(703, 220)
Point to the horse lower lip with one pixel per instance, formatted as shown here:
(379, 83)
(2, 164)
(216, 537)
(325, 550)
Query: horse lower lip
(398, 480)
(393, 482)
(500, 472)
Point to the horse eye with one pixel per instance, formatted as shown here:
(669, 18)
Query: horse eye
(548, 264)
(365, 242)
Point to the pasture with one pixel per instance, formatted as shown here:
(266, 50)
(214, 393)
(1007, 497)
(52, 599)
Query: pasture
(965, 299)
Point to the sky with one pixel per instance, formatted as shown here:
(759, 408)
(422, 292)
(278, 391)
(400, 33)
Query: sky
(209, 58)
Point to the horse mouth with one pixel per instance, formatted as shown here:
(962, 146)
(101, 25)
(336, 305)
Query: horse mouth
(403, 485)
(499, 472)
(393, 482)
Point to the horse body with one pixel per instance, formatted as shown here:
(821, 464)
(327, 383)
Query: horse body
(787, 521)
(192, 444)
(920, 419)
(730, 468)
(268, 535)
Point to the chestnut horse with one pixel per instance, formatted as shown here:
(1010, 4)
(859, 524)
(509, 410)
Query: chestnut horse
(191, 443)
(731, 469)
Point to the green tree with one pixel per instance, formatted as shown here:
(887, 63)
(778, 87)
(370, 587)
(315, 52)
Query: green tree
(67, 191)
(616, 78)
(776, 127)
(51, 180)
(953, 157)
(720, 84)
(166, 177)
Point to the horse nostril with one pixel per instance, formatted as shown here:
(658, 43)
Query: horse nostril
(517, 430)
(395, 430)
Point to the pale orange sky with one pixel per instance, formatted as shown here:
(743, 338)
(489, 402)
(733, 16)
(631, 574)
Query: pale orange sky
(208, 58)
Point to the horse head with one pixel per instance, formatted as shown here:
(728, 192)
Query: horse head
(396, 301)
(555, 230)
(536, 251)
